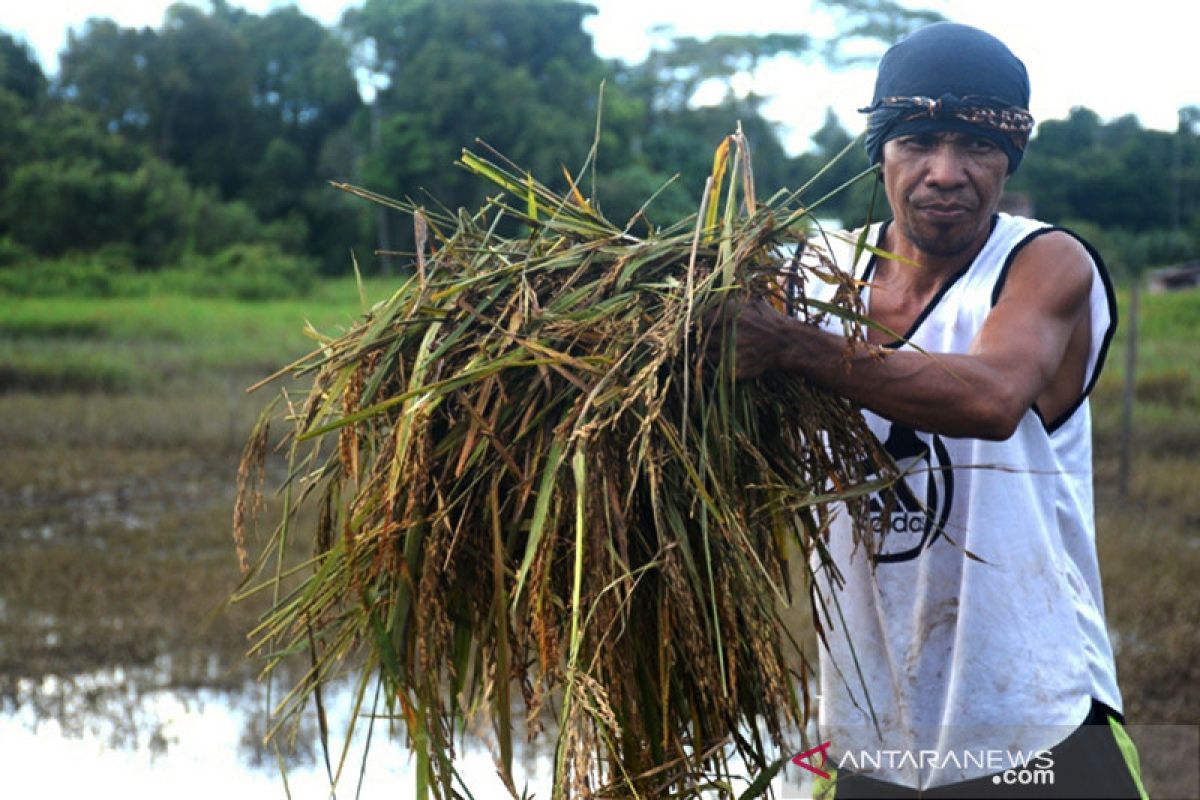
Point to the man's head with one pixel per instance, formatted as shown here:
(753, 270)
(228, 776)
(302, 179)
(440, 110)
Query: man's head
(950, 77)
(949, 125)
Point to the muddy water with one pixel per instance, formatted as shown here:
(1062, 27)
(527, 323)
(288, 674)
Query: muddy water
(119, 673)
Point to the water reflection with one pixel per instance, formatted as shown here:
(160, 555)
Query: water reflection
(66, 736)
(116, 674)
(107, 706)
(140, 708)
(72, 737)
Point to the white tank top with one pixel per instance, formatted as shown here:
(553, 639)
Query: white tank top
(953, 653)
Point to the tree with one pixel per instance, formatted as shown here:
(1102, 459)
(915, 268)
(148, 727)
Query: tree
(257, 112)
(210, 92)
(105, 69)
(201, 105)
(244, 104)
(671, 75)
(20, 73)
(182, 89)
(829, 142)
(1114, 174)
(679, 134)
(519, 75)
(870, 22)
(299, 77)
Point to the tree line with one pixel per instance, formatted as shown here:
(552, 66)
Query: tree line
(204, 146)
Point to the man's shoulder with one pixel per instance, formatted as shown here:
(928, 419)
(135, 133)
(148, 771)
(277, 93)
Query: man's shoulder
(1027, 230)
(1016, 229)
(1044, 246)
(1045, 250)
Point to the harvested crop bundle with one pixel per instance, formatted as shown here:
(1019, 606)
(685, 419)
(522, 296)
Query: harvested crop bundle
(532, 483)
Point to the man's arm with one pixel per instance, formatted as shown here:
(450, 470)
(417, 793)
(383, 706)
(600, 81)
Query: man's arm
(1028, 350)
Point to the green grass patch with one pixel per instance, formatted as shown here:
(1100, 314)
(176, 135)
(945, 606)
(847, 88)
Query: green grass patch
(50, 366)
(1168, 332)
(1166, 417)
(125, 343)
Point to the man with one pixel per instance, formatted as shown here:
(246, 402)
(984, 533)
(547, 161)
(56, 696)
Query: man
(974, 638)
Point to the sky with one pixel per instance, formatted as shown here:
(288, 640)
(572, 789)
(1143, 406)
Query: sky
(1127, 58)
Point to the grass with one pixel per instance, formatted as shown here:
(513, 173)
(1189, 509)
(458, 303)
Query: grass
(1167, 410)
(57, 344)
(1150, 540)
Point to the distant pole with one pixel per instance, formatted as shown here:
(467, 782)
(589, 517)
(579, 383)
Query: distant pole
(1176, 176)
(1130, 387)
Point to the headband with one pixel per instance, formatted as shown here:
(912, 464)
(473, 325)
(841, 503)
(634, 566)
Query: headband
(950, 77)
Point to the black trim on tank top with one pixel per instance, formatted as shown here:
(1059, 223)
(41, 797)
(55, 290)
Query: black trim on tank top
(869, 267)
(937, 297)
(1110, 295)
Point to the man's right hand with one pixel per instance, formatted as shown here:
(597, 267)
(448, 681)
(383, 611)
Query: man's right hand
(761, 336)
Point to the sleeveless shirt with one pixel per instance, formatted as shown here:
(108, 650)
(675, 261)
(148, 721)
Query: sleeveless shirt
(979, 625)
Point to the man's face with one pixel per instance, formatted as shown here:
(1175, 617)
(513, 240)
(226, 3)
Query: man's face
(944, 188)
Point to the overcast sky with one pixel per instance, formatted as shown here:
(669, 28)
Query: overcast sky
(1127, 58)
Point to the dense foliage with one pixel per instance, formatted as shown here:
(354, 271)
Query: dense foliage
(159, 147)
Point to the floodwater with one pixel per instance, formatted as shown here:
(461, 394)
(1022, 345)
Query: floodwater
(119, 732)
(120, 674)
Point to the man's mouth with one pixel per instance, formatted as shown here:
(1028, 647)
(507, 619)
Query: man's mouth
(944, 212)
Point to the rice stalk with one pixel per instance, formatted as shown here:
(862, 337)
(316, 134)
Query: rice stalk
(535, 476)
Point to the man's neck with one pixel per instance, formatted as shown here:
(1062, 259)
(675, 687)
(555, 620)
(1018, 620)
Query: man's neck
(917, 272)
(905, 286)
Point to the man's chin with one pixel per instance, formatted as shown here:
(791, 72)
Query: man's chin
(945, 241)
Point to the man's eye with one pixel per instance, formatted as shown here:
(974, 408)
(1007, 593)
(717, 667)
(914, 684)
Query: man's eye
(983, 145)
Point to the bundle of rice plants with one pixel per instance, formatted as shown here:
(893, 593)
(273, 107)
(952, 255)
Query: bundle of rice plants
(537, 477)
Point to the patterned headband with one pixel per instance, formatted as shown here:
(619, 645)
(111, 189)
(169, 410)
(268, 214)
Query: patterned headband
(987, 112)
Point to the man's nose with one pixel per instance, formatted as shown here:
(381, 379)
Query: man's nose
(946, 166)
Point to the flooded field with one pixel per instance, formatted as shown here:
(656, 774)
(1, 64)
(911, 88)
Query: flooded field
(119, 662)
(115, 561)
(120, 665)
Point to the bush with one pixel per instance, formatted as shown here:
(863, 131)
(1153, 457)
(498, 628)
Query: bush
(1128, 252)
(54, 208)
(13, 253)
(107, 272)
(244, 271)
(214, 224)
